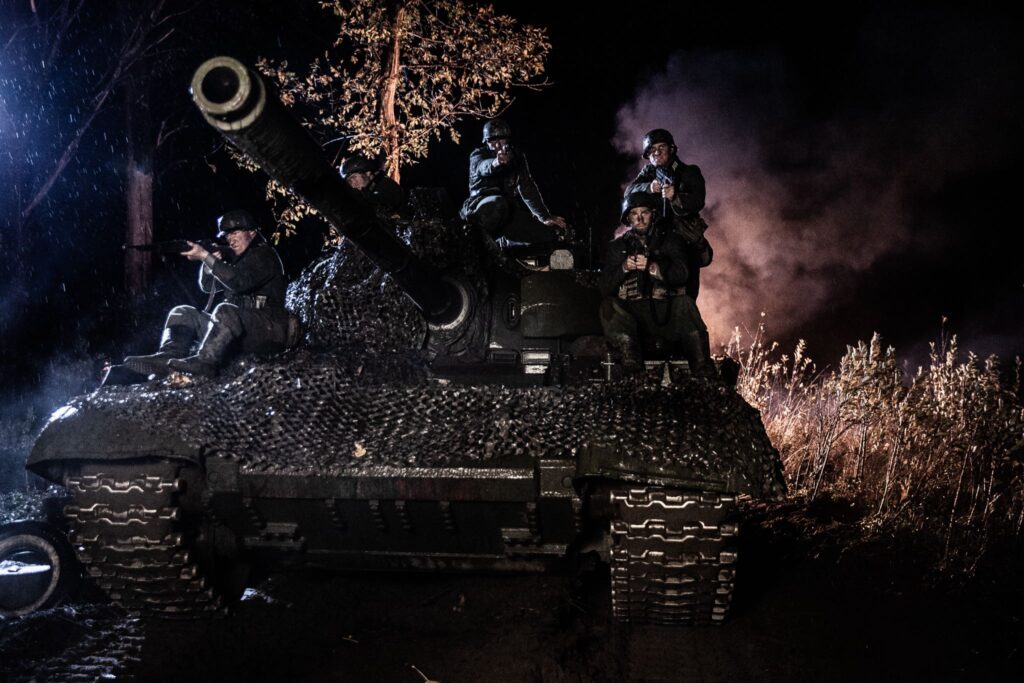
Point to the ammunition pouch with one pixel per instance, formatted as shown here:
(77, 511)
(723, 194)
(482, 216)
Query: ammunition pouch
(691, 228)
(248, 301)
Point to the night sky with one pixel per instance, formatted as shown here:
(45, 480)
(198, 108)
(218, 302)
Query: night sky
(862, 167)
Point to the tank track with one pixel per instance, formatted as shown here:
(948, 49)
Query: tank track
(128, 521)
(672, 557)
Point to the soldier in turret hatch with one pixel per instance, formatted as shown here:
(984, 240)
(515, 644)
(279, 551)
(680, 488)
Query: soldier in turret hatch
(681, 187)
(252, 316)
(366, 176)
(644, 284)
(498, 176)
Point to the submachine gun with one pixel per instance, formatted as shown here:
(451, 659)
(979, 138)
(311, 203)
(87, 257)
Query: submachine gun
(665, 177)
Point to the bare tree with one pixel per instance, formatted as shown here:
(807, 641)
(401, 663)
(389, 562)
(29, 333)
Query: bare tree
(48, 55)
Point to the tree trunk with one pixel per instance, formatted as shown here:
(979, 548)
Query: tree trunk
(388, 120)
(138, 187)
(139, 196)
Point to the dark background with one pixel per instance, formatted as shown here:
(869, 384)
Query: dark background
(877, 146)
(863, 175)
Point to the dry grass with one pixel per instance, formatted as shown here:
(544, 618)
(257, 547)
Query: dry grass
(936, 452)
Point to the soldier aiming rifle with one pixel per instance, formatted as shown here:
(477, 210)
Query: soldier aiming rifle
(252, 317)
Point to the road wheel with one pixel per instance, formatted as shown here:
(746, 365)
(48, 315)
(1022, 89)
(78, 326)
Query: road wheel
(38, 568)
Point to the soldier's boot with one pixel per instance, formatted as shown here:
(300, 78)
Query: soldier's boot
(697, 349)
(705, 348)
(122, 374)
(629, 348)
(174, 343)
(210, 354)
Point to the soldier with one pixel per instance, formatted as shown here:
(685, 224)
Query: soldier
(644, 284)
(250, 274)
(497, 173)
(366, 176)
(682, 191)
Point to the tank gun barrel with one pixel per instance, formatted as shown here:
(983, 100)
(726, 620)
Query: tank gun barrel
(234, 100)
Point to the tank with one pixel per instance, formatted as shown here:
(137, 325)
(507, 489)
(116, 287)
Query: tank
(451, 409)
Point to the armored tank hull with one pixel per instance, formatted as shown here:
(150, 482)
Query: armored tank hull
(450, 411)
(362, 459)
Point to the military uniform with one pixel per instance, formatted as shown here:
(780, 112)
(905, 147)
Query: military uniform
(492, 202)
(386, 193)
(685, 207)
(252, 317)
(688, 181)
(652, 305)
(253, 308)
(382, 191)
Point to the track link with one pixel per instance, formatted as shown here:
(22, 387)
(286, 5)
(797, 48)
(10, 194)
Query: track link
(133, 540)
(672, 559)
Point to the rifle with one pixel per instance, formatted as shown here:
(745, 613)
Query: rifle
(178, 246)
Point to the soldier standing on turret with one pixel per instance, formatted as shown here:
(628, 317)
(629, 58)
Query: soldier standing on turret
(682, 191)
(497, 174)
(643, 282)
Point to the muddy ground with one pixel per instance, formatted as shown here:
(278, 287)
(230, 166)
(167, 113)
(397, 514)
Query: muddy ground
(809, 607)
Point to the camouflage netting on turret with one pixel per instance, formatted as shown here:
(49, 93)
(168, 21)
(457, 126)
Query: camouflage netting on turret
(344, 299)
(337, 414)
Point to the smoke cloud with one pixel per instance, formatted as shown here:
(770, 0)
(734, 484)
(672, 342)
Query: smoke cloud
(807, 190)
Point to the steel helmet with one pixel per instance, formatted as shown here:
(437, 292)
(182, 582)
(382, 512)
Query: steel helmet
(654, 137)
(637, 199)
(356, 164)
(496, 128)
(239, 219)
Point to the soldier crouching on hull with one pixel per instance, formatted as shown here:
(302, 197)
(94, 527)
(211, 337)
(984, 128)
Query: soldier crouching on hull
(644, 284)
(365, 175)
(252, 278)
(497, 173)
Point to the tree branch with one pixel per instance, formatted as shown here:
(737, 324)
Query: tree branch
(65, 18)
(69, 152)
(132, 51)
(165, 133)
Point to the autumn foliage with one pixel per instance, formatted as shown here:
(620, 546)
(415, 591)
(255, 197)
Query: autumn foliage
(401, 74)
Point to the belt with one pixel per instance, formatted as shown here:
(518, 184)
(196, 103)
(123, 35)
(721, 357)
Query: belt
(249, 302)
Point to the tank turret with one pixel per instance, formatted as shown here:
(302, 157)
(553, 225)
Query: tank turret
(549, 305)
